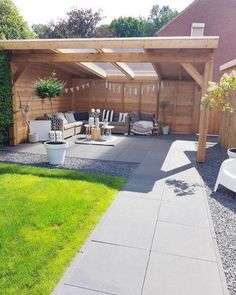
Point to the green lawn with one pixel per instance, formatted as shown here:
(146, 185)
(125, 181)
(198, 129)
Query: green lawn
(45, 216)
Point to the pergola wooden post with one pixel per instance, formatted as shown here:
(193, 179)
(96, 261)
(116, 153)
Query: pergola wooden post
(204, 115)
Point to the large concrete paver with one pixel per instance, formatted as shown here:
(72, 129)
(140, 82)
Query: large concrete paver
(72, 290)
(110, 268)
(185, 211)
(128, 222)
(175, 275)
(188, 241)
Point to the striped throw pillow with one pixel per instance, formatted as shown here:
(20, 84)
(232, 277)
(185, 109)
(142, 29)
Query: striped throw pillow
(107, 115)
(122, 117)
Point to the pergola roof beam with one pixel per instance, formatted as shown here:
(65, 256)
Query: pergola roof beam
(113, 43)
(180, 57)
(193, 72)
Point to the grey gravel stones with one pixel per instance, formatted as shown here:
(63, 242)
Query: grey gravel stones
(113, 168)
(223, 210)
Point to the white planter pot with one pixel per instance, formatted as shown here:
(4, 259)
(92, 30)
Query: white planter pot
(165, 130)
(231, 152)
(33, 137)
(56, 152)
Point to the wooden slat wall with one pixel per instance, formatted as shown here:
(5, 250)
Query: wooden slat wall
(122, 96)
(127, 96)
(227, 133)
(23, 91)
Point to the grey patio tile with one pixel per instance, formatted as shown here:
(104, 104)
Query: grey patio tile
(109, 268)
(176, 189)
(184, 211)
(175, 275)
(133, 207)
(184, 241)
(124, 230)
(72, 290)
(154, 195)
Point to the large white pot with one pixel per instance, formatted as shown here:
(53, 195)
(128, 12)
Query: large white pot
(56, 152)
(231, 152)
(165, 129)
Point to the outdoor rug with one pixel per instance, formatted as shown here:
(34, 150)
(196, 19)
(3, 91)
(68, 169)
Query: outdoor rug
(106, 141)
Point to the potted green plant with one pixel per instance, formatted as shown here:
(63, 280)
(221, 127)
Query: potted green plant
(49, 88)
(164, 125)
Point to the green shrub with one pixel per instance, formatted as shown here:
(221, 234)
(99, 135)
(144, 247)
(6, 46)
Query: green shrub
(6, 112)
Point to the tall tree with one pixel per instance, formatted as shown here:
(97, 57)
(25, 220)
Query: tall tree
(79, 23)
(128, 27)
(159, 16)
(12, 24)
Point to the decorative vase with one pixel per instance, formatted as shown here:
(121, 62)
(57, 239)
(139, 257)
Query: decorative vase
(165, 129)
(97, 123)
(91, 121)
(33, 137)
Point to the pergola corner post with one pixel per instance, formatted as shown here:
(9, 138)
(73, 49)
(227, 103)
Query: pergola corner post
(204, 115)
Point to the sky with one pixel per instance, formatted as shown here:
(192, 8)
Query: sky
(43, 11)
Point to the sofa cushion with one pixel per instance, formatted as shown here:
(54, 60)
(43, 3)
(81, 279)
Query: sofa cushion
(78, 123)
(69, 117)
(116, 116)
(81, 116)
(118, 124)
(147, 116)
(134, 117)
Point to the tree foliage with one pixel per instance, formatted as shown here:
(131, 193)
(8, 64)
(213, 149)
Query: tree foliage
(159, 16)
(128, 27)
(79, 23)
(12, 24)
(49, 87)
(218, 94)
(6, 116)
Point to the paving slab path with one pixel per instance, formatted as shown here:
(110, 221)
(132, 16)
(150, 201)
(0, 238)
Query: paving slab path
(157, 236)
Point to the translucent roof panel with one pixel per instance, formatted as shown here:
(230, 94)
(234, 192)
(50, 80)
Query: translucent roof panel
(139, 69)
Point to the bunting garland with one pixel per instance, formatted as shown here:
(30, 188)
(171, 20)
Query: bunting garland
(113, 87)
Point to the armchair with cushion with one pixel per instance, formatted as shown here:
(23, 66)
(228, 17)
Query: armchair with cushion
(142, 123)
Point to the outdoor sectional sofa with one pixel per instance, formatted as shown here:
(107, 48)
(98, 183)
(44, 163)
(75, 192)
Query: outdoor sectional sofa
(72, 123)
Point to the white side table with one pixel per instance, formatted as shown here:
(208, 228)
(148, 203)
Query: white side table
(107, 130)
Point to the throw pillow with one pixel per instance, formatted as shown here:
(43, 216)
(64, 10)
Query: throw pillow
(147, 116)
(122, 117)
(116, 117)
(69, 117)
(62, 117)
(81, 116)
(107, 115)
(134, 117)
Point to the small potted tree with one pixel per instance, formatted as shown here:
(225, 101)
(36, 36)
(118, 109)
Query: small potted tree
(164, 125)
(49, 88)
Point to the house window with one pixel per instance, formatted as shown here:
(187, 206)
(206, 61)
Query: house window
(197, 29)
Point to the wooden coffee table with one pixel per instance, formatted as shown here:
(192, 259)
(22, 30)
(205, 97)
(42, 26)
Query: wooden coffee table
(95, 133)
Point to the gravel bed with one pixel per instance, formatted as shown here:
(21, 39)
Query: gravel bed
(113, 168)
(223, 211)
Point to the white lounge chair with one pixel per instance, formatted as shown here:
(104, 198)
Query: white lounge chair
(227, 175)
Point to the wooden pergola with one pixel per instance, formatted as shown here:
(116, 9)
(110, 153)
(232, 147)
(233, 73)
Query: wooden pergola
(171, 57)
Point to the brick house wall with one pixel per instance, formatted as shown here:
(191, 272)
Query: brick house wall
(219, 17)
